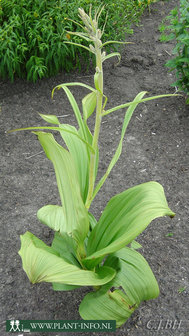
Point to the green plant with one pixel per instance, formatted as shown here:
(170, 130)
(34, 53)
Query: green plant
(84, 251)
(181, 290)
(32, 39)
(170, 234)
(146, 3)
(178, 29)
(33, 34)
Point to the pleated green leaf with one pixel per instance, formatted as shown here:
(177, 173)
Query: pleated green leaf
(43, 264)
(124, 218)
(66, 248)
(53, 216)
(63, 287)
(118, 299)
(89, 104)
(80, 155)
(102, 305)
(50, 118)
(83, 131)
(92, 220)
(135, 245)
(134, 275)
(75, 221)
(89, 141)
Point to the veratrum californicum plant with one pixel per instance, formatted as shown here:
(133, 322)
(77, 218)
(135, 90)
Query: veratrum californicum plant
(84, 251)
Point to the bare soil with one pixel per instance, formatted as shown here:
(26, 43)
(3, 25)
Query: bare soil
(155, 148)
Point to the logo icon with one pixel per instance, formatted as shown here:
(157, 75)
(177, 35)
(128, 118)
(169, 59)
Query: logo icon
(14, 325)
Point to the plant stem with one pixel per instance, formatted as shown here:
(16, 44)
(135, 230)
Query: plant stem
(99, 70)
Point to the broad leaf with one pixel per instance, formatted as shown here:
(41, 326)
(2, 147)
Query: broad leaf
(135, 245)
(80, 155)
(89, 140)
(89, 104)
(53, 216)
(43, 264)
(83, 131)
(50, 118)
(134, 275)
(66, 247)
(118, 299)
(124, 218)
(92, 220)
(75, 214)
(62, 287)
(102, 305)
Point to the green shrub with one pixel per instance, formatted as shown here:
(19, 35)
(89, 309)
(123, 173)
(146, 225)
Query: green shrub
(179, 31)
(33, 33)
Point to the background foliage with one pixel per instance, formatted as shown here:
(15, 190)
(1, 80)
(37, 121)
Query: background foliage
(178, 29)
(33, 33)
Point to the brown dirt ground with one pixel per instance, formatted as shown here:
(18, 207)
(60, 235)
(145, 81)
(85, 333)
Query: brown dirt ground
(155, 148)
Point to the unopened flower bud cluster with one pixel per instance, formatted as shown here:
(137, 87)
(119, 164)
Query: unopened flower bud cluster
(91, 27)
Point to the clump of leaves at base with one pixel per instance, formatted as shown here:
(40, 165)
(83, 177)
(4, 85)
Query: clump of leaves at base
(177, 29)
(86, 252)
(33, 32)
